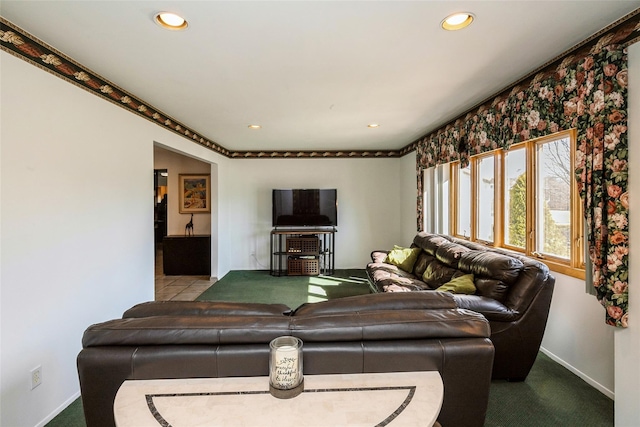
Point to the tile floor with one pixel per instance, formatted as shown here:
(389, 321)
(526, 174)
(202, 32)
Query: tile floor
(178, 288)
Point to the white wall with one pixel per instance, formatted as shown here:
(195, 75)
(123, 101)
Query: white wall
(409, 202)
(76, 230)
(577, 336)
(177, 164)
(76, 181)
(1, 227)
(76, 242)
(627, 341)
(369, 205)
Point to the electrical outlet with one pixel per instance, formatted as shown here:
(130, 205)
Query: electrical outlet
(36, 377)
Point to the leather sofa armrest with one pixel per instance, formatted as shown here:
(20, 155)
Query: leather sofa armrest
(491, 309)
(379, 256)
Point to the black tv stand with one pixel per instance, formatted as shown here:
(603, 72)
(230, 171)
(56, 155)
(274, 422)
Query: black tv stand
(308, 251)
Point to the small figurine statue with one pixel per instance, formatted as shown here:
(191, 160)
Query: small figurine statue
(188, 229)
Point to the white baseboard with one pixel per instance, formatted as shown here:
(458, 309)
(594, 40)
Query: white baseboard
(593, 383)
(59, 409)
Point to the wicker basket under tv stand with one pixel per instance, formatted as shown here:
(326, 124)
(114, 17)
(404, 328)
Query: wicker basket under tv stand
(302, 251)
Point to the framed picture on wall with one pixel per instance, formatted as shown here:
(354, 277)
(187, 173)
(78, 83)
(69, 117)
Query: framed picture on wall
(195, 193)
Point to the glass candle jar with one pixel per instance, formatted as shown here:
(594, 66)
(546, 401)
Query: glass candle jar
(285, 367)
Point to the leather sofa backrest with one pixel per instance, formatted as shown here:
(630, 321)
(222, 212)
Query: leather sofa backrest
(391, 335)
(450, 254)
(423, 261)
(430, 242)
(379, 301)
(506, 276)
(185, 330)
(374, 325)
(203, 308)
(386, 325)
(437, 274)
(493, 273)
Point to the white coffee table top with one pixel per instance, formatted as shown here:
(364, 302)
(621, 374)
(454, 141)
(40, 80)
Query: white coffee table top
(396, 399)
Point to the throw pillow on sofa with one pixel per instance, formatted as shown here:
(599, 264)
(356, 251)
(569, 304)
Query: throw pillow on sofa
(403, 258)
(459, 285)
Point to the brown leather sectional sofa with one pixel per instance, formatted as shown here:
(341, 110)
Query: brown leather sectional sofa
(368, 333)
(512, 291)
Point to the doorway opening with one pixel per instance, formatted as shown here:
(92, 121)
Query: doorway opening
(160, 206)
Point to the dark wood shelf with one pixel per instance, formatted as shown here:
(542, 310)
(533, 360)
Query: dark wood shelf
(302, 251)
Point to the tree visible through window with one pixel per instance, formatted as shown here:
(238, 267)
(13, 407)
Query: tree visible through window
(518, 212)
(553, 197)
(515, 193)
(531, 185)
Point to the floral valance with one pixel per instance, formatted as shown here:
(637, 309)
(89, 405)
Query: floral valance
(586, 90)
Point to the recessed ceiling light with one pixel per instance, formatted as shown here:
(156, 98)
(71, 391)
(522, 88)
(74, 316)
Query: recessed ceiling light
(170, 21)
(457, 21)
(255, 127)
(373, 125)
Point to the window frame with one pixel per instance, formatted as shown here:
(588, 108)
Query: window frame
(475, 190)
(454, 174)
(435, 198)
(529, 198)
(575, 265)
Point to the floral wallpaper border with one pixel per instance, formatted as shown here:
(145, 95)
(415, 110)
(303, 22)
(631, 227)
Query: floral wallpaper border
(23, 45)
(586, 90)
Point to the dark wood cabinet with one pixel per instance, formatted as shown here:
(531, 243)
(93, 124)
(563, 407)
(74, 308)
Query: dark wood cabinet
(186, 255)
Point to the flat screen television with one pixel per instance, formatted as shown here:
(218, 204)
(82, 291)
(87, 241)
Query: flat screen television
(305, 208)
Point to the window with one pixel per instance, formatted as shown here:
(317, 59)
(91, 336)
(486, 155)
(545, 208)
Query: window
(485, 198)
(553, 198)
(515, 202)
(436, 199)
(463, 205)
(524, 199)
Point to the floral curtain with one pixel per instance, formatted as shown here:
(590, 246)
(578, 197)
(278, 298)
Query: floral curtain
(602, 173)
(586, 91)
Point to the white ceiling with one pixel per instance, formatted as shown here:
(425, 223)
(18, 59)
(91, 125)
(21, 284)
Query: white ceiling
(313, 73)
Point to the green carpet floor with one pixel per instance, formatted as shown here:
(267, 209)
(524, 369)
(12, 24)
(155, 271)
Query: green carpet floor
(551, 396)
(293, 291)
(72, 416)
